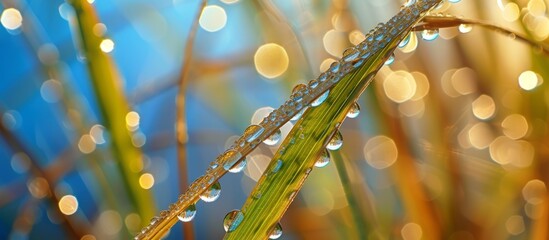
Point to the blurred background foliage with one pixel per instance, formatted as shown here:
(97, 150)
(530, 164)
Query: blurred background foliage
(460, 121)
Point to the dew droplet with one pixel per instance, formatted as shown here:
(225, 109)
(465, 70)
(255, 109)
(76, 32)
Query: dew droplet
(390, 60)
(229, 158)
(354, 111)
(320, 99)
(232, 220)
(188, 214)
(212, 193)
(350, 54)
(405, 41)
(298, 115)
(298, 92)
(323, 160)
(429, 34)
(276, 167)
(276, 232)
(252, 132)
(239, 166)
(274, 138)
(454, 1)
(465, 28)
(336, 142)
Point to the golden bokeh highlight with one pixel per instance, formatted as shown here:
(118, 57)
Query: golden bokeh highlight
(380, 152)
(256, 165)
(109, 222)
(325, 65)
(536, 7)
(213, 18)
(11, 19)
(356, 37)
(518, 153)
(515, 126)
(88, 237)
(99, 29)
(271, 60)
(534, 191)
(132, 119)
(515, 225)
(464, 81)
(107, 45)
(133, 222)
(484, 107)
(335, 42)
(529, 80)
(146, 181)
(399, 86)
(86, 144)
(229, 1)
(422, 85)
(480, 135)
(511, 12)
(97, 134)
(411, 231)
(412, 108)
(38, 187)
(68, 204)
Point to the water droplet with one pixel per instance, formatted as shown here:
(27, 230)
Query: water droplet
(239, 166)
(298, 115)
(354, 110)
(323, 160)
(405, 41)
(276, 167)
(298, 92)
(336, 142)
(429, 34)
(188, 214)
(334, 68)
(313, 83)
(465, 28)
(252, 132)
(229, 158)
(276, 232)
(454, 1)
(320, 99)
(274, 138)
(390, 60)
(350, 54)
(232, 220)
(211, 194)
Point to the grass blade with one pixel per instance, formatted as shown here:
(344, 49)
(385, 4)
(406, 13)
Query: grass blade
(114, 107)
(296, 157)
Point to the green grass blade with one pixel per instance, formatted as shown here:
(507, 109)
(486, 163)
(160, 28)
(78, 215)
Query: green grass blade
(114, 107)
(297, 155)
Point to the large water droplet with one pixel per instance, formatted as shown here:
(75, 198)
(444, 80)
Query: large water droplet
(211, 194)
(323, 160)
(405, 41)
(239, 166)
(465, 28)
(336, 142)
(229, 158)
(188, 214)
(298, 115)
(298, 92)
(350, 54)
(429, 34)
(390, 60)
(252, 132)
(274, 138)
(232, 220)
(320, 99)
(276, 232)
(354, 111)
(454, 1)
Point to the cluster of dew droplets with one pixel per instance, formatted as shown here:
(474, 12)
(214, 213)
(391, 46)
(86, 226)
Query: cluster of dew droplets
(313, 94)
